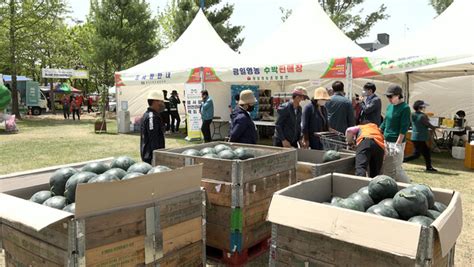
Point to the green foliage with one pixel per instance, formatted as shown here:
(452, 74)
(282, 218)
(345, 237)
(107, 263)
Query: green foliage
(440, 5)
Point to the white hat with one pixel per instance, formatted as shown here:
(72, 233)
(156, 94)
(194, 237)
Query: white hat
(156, 95)
(247, 98)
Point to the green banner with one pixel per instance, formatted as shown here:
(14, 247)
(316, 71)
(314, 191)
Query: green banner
(32, 93)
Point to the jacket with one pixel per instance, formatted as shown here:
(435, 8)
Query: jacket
(371, 110)
(340, 113)
(173, 103)
(420, 125)
(288, 124)
(152, 136)
(207, 109)
(243, 129)
(313, 121)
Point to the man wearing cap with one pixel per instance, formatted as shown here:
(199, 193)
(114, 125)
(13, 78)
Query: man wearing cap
(420, 134)
(165, 114)
(340, 111)
(288, 124)
(371, 105)
(152, 136)
(174, 102)
(314, 119)
(207, 113)
(395, 127)
(243, 129)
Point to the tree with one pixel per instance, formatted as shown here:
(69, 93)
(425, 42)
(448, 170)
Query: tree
(180, 13)
(440, 5)
(124, 34)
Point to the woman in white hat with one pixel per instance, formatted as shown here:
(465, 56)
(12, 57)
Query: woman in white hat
(243, 129)
(314, 119)
(152, 136)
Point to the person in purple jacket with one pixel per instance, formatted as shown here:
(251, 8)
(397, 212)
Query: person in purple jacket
(243, 129)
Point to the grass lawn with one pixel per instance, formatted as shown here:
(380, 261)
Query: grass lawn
(47, 141)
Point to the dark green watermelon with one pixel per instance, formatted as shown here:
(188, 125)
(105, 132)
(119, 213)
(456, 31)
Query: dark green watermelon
(362, 198)
(117, 172)
(433, 214)
(243, 153)
(387, 202)
(132, 175)
(71, 184)
(349, 203)
(426, 190)
(383, 210)
(438, 206)
(57, 202)
(382, 187)
(41, 196)
(191, 152)
(334, 200)
(207, 150)
(364, 190)
(122, 162)
(409, 202)
(227, 154)
(210, 156)
(70, 208)
(57, 182)
(221, 147)
(158, 169)
(420, 219)
(103, 178)
(141, 167)
(95, 167)
(331, 155)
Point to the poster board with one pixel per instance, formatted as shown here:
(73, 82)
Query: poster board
(193, 104)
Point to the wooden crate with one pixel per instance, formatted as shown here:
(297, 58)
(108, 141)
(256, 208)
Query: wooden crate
(239, 195)
(168, 230)
(310, 164)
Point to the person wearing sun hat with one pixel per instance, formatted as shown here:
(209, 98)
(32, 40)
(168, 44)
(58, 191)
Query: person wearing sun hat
(314, 119)
(243, 129)
(288, 124)
(152, 136)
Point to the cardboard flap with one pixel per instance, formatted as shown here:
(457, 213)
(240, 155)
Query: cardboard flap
(98, 197)
(346, 225)
(28, 213)
(449, 224)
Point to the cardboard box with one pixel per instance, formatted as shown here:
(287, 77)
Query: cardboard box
(305, 231)
(152, 219)
(310, 164)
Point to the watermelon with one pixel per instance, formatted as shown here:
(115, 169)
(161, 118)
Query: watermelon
(349, 203)
(221, 147)
(334, 200)
(383, 210)
(420, 219)
(122, 162)
(365, 200)
(387, 202)
(364, 190)
(141, 167)
(57, 182)
(95, 167)
(409, 202)
(41, 196)
(438, 206)
(70, 208)
(158, 169)
(57, 202)
(426, 190)
(71, 184)
(132, 175)
(191, 152)
(243, 153)
(207, 150)
(210, 156)
(117, 172)
(103, 178)
(227, 154)
(433, 214)
(381, 187)
(5, 97)
(331, 155)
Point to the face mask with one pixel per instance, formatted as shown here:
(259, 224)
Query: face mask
(250, 108)
(322, 102)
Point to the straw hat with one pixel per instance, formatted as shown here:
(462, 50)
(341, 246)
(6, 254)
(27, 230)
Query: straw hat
(156, 95)
(247, 98)
(321, 94)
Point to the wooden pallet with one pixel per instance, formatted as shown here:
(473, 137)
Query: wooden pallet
(238, 259)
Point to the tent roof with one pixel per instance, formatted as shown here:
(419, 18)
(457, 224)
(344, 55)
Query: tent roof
(198, 46)
(308, 35)
(8, 78)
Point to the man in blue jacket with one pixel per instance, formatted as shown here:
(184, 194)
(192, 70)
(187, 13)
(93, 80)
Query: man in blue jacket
(207, 113)
(152, 136)
(243, 129)
(339, 108)
(371, 105)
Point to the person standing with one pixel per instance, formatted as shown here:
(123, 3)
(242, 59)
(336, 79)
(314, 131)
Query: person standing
(340, 111)
(66, 107)
(175, 119)
(370, 148)
(420, 134)
(395, 126)
(288, 125)
(243, 129)
(75, 109)
(207, 113)
(89, 104)
(152, 136)
(371, 105)
(165, 114)
(314, 119)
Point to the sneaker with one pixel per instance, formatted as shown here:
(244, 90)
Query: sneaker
(431, 169)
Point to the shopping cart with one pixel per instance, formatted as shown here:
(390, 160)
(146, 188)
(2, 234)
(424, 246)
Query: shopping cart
(334, 141)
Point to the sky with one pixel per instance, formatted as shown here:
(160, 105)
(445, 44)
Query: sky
(262, 17)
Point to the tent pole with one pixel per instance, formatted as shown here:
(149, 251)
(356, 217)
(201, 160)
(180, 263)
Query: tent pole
(407, 76)
(349, 77)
